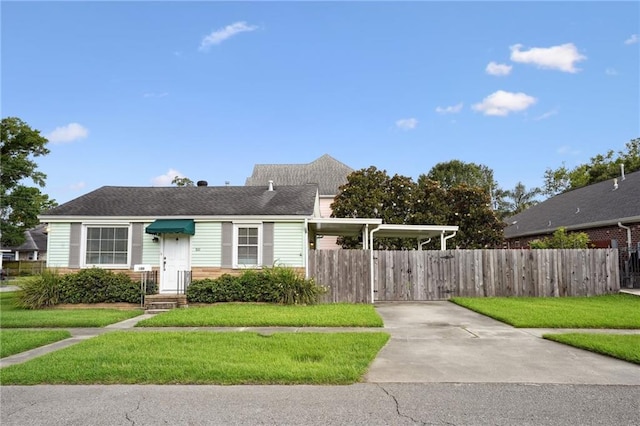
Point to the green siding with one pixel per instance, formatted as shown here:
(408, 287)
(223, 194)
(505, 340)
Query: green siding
(59, 239)
(288, 244)
(150, 250)
(206, 245)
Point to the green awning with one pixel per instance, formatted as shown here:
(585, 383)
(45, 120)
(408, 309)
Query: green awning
(172, 226)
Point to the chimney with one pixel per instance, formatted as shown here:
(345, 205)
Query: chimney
(270, 185)
(202, 183)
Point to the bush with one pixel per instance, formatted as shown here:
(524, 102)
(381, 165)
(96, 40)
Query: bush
(41, 291)
(561, 240)
(97, 285)
(270, 285)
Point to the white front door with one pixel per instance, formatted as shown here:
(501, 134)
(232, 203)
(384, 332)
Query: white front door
(174, 260)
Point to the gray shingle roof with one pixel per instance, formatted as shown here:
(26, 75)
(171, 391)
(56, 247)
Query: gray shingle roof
(594, 205)
(191, 201)
(34, 239)
(326, 172)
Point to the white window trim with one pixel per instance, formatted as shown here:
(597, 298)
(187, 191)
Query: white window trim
(242, 224)
(83, 245)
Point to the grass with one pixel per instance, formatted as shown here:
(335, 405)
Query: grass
(200, 357)
(12, 316)
(621, 311)
(622, 346)
(15, 341)
(263, 315)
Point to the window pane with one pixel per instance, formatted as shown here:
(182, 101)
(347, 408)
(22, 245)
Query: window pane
(121, 233)
(93, 233)
(108, 233)
(93, 258)
(106, 245)
(121, 246)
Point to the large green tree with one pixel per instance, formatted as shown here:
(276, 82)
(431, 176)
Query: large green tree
(455, 172)
(601, 167)
(20, 203)
(371, 193)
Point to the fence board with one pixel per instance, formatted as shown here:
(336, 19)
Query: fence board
(439, 275)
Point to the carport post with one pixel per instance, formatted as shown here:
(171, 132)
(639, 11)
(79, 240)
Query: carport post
(371, 278)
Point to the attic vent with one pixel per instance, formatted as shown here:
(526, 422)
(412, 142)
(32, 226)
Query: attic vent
(578, 210)
(622, 171)
(270, 185)
(202, 183)
(615, 183)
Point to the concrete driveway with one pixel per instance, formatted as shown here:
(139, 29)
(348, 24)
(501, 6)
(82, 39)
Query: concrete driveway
(442, 342)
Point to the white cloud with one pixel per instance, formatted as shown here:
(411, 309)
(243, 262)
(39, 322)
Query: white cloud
(567, 150)
(502, 103)
(69, 133)
(167, 178)
(562, 58)
(611, 71)
(77, 186)
(632, 40)
(155, 95)
(494, 68)
(547, 115)
(218, 36)
(450, 109)
(407, 123)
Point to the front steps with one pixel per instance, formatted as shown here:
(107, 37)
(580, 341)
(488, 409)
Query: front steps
(156, 303)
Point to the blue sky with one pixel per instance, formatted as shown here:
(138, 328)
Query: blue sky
(133, 93)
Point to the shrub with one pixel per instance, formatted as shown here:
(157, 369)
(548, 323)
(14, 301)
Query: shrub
(270, 285)
(561, 240)
(97, 285)
(40, 291)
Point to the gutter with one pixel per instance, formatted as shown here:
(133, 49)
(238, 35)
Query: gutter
(628, 235)
(371, 278)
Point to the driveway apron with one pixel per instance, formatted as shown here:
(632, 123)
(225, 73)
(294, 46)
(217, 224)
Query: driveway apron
(443, 342)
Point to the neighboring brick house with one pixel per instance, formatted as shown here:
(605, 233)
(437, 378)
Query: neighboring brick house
(609, 212)
(326, 172)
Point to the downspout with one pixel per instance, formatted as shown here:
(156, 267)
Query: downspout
(305, 250)
(628, 235)
(423, 243)
(372, 281)
(443, 247)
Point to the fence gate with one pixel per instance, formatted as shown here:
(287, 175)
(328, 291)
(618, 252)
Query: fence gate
(629, 261)
(410, 275)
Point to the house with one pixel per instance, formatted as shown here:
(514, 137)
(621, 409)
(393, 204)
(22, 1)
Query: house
(609, 212)
(34, 247)
(189, 233)
(326, 172)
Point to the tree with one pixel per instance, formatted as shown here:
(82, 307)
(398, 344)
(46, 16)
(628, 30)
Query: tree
(20, 204)
(455, 172)
(182, 181)
(519, 198)
(371, 193)
(600, 168)
(561, 240)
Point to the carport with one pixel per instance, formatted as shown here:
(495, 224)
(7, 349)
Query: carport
(370, 229)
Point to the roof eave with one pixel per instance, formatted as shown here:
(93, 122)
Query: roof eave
(578, 227)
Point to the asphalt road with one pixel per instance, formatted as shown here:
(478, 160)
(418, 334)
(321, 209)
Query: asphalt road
(363, 404)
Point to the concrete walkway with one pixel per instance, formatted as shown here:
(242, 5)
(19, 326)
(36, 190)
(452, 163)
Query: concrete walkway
(442, 342)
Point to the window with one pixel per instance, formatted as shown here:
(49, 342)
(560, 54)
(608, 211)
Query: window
(107, 246)
(247, 245)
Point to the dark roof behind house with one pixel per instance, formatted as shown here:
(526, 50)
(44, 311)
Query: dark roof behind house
(191, 201)
(326, 172)
(587, 207)
(35, 239)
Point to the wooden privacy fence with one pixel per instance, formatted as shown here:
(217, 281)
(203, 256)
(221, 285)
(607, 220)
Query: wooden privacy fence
(439, 275)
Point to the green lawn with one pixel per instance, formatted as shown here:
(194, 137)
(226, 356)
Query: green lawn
(14, 317)
(626, 347)
(16, 341)
(263, 315)
(200, 357)
(609, 311)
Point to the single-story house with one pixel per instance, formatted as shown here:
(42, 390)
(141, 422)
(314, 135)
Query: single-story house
(203, 231)
(34, 246)
(609, 212)
(326, 172)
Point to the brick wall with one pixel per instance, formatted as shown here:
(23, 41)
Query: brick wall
(596, 235)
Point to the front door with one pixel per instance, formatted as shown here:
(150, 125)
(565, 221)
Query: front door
(174, 261)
